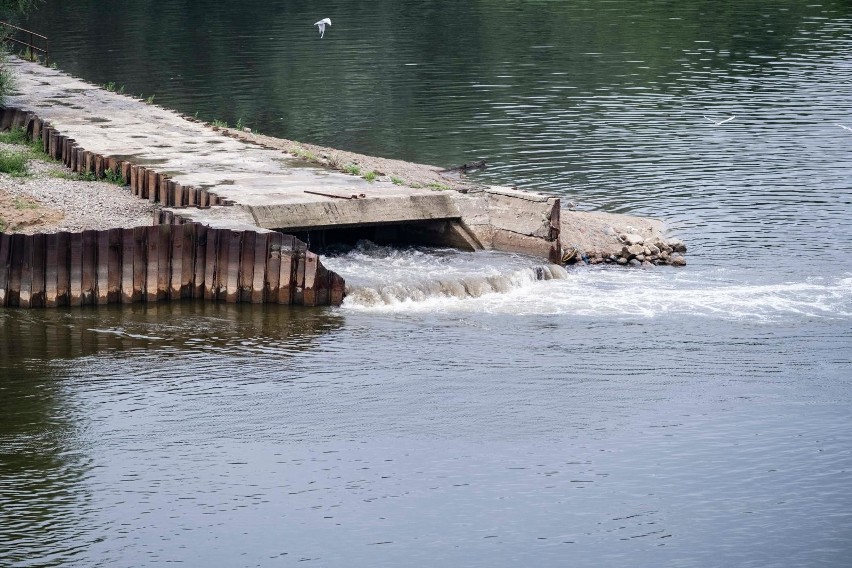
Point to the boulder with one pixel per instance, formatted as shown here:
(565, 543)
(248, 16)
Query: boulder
(678, 260)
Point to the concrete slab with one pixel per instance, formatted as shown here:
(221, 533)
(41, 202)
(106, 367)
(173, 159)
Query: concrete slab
(267, 187)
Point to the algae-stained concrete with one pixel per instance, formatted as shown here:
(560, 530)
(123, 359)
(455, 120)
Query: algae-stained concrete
(267, 187)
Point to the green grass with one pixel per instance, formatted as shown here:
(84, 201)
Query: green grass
(150, 100)
(371, 176)
(114, 176)
(4, 224)
(113, 88)
(352, 169)
(14, 136)
(21, 203)
(220, 123)
(13, 163)
(306, 154)
(438, 186)
(397, 180)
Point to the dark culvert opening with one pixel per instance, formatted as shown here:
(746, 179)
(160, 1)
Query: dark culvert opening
(444, 233)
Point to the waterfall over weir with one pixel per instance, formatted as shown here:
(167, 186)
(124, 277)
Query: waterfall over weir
(385, 276)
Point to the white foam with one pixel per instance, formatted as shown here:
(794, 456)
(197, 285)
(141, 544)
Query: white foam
(416, 280)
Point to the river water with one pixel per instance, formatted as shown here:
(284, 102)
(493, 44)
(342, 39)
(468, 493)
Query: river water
(457, 410)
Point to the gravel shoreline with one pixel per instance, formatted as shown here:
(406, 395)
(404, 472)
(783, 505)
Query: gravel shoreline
(51, 198)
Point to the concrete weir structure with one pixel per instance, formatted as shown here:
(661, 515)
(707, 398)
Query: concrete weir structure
(204, 178)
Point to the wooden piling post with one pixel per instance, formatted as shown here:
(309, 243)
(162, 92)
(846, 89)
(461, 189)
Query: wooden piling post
(51, 262)
(37, 298)
(89, 269)
(140, 264)
(63, 268)
(261, 257)
(273, 267)
(75, 273)
(246, 266)
(113, 261)
(232, 286)
(5, 266)
(127, 260)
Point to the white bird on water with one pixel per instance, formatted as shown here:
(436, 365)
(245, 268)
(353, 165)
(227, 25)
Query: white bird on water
(717, 123)
(322, 23)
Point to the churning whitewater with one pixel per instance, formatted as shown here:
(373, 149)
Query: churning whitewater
(416, 279)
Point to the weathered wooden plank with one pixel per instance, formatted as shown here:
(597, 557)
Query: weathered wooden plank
(152, 262)
(90, 253)
(63, 268)
(322, 285)
(37, 126)
(127, 260)
(134, 179)
(5, 266)
(232, 289)
(212, 270)
(140, 264)
(187, 269)
(338, 289)
(309, 292)
(38, 279)
(164, 268)
(299, 251)
(245, 271)
(102, 268)
(261, 257)
(75, 274)
(153, 187)
(285, 278)
(13, 294)
(114, 273)
(200, 261)
(26, 285)
(273, 267)
(125, 171)
(176, 272)
(99, 166)
(51, 261)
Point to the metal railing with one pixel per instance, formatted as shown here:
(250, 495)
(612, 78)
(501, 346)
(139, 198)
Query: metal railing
(32, 46)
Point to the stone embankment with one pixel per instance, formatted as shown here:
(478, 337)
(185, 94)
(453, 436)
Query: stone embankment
(623, 240)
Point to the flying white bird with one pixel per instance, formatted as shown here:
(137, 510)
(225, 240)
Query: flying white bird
(322, 23)
(844, 127)
(717, 123)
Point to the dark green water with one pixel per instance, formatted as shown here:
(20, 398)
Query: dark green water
(695, 417)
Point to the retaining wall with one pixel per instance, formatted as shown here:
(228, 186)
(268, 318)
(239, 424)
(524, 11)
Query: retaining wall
(162, 262)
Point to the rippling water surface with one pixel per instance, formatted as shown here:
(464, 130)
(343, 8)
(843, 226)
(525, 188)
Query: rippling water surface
(473, 410)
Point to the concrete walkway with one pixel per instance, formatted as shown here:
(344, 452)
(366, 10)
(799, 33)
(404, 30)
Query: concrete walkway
(266, 188)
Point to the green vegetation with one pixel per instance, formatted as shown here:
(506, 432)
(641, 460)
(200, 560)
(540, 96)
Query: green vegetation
(14, 136)
(352, 169)
(114, 176)
(220, 123)
(371, 176)
(306, 154)
(111, 87)
(438, 186)
(13, 163)
(21, 203)
(150, 100)
(397, 180)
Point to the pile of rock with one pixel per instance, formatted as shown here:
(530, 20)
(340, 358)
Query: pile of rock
(638, 251)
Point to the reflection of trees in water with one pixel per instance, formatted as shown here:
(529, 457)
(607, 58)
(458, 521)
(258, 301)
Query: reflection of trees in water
(43, 466)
